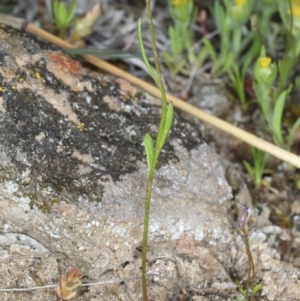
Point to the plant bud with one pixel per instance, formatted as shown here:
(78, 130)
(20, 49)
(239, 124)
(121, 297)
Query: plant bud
(265, 71)
(240, 11)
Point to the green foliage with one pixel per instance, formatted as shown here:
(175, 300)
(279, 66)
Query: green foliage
(104, 54)
(73, 29)
(239, 45)
(153, 152)
(256, 171)
(297, 180)
(183, 14)
(237, 77)
(244, 232)
(272, 105)
(148, 144)
(231, 58)
(257, 288)
(230, 19)
(161, 139)
(245, 295)
(277, 116)
(167, 115)
(63, 16)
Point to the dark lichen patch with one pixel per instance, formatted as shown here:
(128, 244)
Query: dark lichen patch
(48, 78)
(21, 76)
(69, 160)
(7, 174)
(3, 56)
(1, 79)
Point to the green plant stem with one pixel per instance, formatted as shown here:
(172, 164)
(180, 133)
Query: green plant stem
(251, 271)
(157, 68)
(146, 222)
(287, 66)
(145, 232)
(156, 152)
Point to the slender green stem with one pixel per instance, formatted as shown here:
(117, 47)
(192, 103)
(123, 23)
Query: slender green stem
(157, 68)
(157, 150)
(145, 233)
(253, 276)
(287, 66)
(251, 271)
(289, 36)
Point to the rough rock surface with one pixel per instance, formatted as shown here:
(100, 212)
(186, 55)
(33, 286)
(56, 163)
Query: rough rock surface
(72, 185)
(73, 179)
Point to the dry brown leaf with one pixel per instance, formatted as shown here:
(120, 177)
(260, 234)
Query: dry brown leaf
(67, 285)
(83, 25)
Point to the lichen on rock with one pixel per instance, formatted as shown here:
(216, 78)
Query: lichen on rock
(56, 114)
(73, 174)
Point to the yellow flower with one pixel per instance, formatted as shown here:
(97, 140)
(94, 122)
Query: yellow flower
(264, 62)
(265, 71)
(179, 2)
(241, 3)
(295, 9)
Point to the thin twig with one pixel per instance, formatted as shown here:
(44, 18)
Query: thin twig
(5, 290)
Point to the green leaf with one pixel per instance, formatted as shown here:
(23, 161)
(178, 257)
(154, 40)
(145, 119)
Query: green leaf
(54, 6)
(179, 66)
(249, 168)
(201, 57)
(148, 144)
(210, 49)
(242, 291)
(175, 43)
(61, 13)
(71, 11)
(62, 16)
(218, 15)
(257, 288)
(101, 53)
(167, 57)
(291, 134)
(144, 56)
(167, 126)
(260, 159)
(277, 116)
(265, 159)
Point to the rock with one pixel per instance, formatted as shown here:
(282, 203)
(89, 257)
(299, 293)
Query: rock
(73, 176)
(72, 188)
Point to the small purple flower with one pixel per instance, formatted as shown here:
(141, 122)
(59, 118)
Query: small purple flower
(243, 222)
